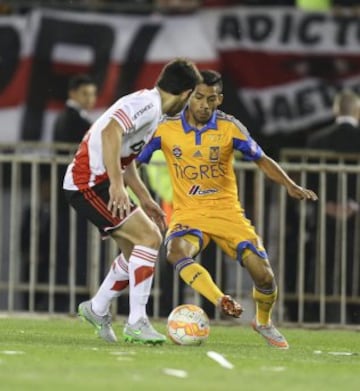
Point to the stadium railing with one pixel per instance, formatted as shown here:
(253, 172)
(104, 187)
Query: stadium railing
(333, 231)
(48, 267)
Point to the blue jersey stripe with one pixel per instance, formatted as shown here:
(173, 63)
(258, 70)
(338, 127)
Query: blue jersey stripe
(148, 150)
(250, 149)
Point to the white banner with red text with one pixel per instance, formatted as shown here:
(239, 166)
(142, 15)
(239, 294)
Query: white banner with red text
(281, 66)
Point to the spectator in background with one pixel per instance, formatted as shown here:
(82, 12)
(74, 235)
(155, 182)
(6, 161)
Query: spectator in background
(343, 137)
(73, 121)
(70, 127)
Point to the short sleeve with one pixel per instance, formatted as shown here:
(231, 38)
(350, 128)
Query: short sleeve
(243, 142)
(123, 117)
(153, 145)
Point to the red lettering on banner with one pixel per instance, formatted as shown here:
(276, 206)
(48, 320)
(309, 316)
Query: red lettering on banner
(15, 92)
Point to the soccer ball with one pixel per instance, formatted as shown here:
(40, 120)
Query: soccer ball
(188, 324)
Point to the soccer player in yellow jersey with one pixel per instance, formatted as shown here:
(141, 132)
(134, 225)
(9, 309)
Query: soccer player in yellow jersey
(199, 145)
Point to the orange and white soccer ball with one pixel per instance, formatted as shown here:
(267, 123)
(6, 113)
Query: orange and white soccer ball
(188, 324)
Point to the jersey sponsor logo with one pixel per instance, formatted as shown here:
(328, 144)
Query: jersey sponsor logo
(214, 138)
(196, 190)
(214, 154)
(197, 154)
(177, 152)
(196, 275)
(142, 111)
(202, 171)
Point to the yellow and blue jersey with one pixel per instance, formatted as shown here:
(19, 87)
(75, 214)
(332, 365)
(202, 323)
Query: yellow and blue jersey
(200, 161)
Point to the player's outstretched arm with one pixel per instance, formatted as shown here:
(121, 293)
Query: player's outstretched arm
(273, 171)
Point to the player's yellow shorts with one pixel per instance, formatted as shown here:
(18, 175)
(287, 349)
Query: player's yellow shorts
(229, 229)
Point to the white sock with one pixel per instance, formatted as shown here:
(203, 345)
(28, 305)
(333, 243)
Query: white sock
(116, 280)
(141, 272)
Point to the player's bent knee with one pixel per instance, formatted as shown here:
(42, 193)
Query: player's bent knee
(172, 257)
(152, 237)
(265, 281)
(172, 254)
(175, 253)
(148, 235)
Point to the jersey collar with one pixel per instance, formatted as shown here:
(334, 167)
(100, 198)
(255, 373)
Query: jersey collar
(75, 105)
(211, 124)
(343, 119)
(156, 92)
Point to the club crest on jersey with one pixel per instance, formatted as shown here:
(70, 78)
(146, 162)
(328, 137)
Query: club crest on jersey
(196, 190)
(214, 154)
(177, 152)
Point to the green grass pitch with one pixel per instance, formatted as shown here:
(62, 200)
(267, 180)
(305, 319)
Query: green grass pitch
(64, 354)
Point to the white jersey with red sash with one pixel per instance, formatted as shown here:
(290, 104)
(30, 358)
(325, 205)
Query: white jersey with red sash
(138, 114)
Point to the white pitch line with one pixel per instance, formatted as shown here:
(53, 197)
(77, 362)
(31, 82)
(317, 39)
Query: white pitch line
(220, 359)
(12, 352)
(175, 372)
(273, 369)
(127, 353)
(336, 353)
(124, 358)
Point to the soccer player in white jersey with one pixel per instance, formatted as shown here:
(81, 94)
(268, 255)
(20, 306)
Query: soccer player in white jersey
(95, 186)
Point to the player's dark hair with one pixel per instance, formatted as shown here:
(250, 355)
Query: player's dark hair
(178, 76)
(79, 80)
(212, 78)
